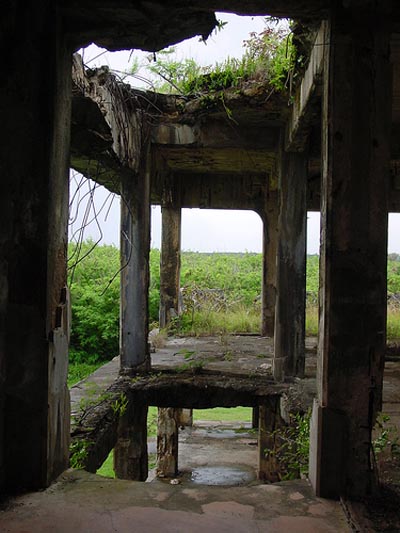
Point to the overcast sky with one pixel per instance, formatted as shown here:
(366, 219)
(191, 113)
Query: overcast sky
(202, 230)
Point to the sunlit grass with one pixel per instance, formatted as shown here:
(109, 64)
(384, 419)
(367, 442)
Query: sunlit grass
(393, 324)
(79, 371)
(236, 320)
(312, 321)
(224, 414)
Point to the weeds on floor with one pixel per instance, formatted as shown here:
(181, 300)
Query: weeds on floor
(292, 447)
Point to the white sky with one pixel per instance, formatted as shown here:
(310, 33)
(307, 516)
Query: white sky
(202, 230)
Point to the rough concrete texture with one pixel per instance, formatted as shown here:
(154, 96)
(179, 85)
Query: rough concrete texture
(226, 354)
(85, 502)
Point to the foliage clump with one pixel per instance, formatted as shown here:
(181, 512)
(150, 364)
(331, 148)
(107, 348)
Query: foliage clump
(269, 57)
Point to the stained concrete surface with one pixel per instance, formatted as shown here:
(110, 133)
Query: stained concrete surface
(217, 487)
(83, 502)
(226, 354)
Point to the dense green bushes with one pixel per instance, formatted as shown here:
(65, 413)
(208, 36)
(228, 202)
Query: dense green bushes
(94, 286)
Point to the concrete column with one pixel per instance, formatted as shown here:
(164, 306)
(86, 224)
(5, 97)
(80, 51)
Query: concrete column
(167, 442)
(255, 417)
(170, 264)
(130, 451)
(289, 356)
(269, 423)
(355, 150)
(184, 417)
(135, 250)
(270, 242)
(34, 399)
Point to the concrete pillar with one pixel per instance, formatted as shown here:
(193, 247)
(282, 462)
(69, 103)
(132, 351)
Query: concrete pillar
(355, 150)
(269, 217)
(35, 110)
(135, 250)
(167, 442)
(268, 440)
(170, 264)
(184, 417)
(289, 342)
(130, 451)
(255, 417)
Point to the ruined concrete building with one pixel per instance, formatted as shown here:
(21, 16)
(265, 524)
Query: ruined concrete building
(336, 146)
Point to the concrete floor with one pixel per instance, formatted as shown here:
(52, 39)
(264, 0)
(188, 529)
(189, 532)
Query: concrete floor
(82, 502)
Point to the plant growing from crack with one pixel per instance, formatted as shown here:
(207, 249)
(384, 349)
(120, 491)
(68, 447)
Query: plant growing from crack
(292, 446)
(120, 404)
(78, 453)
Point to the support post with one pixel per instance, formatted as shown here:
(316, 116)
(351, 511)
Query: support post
(167, 442)
(130, 452)
(255, 417)
(289, 354)
(269, 422)
(355, 150)
(170, 264)
(135, 250)
(184, 417)
(269, 217)
(34, 397)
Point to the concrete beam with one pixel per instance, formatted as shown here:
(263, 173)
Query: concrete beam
(303, 108)
(356, 158)
(216, 132)
(215, 190)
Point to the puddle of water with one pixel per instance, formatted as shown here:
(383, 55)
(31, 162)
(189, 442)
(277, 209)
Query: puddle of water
(221, 433)
(221, 475)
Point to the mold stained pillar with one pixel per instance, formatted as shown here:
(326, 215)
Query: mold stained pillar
(269, 216)
(289, 354)
(130, 452)
(355, 148)
(35, 110)
(167, 442)
(270, 421)
(135, 253)
(170, 263)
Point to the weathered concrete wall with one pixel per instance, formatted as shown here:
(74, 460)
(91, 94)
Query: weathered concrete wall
(34, 107)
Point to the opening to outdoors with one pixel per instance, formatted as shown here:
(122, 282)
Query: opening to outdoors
(221, 271)
(230, 433)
